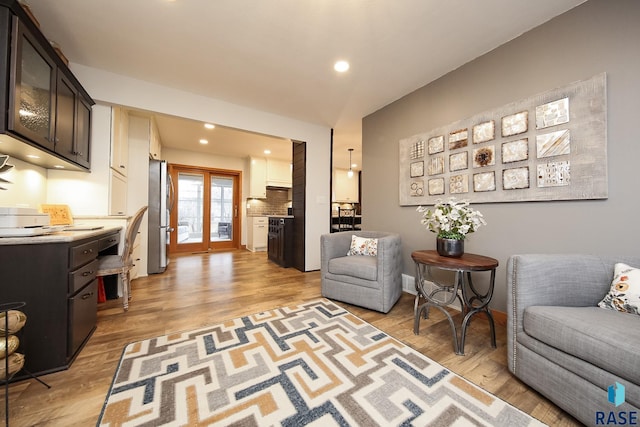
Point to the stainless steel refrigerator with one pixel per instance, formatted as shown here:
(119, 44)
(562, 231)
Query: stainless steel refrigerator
(161, 197)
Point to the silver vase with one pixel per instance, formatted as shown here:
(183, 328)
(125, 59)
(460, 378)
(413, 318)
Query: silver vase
(450, 247)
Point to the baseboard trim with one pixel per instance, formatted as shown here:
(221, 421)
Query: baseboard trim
(500, 317)
(408, 284)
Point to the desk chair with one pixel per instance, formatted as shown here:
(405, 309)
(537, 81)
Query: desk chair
(122, 264)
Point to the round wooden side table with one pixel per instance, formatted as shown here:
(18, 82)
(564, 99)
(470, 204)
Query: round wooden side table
(472, 301)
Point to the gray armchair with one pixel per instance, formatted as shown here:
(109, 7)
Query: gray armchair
(561, 343)
(373, 282)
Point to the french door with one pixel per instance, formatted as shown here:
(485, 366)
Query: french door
(205, 216)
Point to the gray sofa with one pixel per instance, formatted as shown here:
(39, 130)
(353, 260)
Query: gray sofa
(561, 343)
(373, 282)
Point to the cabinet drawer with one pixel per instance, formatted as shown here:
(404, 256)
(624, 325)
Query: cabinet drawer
(109, 241)
(82, 276)
(82, 254)
(83, 314)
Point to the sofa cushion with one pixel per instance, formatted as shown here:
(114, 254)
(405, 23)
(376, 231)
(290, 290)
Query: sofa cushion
(363, 246)
(363, 267)
(624, 294)
(604, 338)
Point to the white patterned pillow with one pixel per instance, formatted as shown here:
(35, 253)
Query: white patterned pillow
(363, 246)
(624, 294)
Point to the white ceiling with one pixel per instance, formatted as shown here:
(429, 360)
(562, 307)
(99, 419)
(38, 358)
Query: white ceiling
(277, 55)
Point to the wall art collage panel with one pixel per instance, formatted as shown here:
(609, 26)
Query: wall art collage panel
(551, 146)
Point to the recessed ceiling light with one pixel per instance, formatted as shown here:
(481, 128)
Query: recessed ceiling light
(204, 141)
(267, 151)
(341, 66)
(58, 166)
(33, 156)
(209, 126)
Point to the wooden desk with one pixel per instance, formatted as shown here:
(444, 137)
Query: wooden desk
(472, 302)
(55, 275)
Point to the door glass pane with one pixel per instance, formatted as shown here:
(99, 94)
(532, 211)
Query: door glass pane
(190, 207)
(221, 209)
(35, 91)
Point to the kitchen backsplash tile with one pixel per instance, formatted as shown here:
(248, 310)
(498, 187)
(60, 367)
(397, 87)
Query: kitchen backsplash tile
(276, 203)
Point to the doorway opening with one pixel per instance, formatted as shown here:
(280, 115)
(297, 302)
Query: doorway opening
(206, 213)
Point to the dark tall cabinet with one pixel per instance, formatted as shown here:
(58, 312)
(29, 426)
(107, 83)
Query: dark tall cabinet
(280, 240)
(299, 174)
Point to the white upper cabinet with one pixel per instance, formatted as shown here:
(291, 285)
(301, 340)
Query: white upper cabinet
(257, 178)
(345, 189)
(155, 145)
(119, 140)
(278, 173)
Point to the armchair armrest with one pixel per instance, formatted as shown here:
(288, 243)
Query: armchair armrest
(389, 258)
(335, 244)
(570, 280)
(558, 279)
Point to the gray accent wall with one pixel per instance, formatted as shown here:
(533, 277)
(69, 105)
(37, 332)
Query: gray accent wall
(597, 36)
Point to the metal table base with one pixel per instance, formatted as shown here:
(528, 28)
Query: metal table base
(472, 300)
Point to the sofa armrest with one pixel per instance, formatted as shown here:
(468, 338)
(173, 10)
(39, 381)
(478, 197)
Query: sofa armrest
(569, 280)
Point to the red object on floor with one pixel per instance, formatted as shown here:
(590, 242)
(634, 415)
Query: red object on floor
(102, 296)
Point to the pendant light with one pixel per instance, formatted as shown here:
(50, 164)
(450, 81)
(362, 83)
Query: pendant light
(350, 173)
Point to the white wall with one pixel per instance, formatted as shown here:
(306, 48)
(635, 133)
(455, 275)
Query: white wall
(28, 186)
(116, 89)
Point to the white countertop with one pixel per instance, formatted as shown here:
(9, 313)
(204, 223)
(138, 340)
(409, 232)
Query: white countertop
(109, 217)
(57, 237)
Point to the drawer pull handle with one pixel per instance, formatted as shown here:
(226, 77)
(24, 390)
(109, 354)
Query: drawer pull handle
(87, 273)
(87, 295)
(87, 251)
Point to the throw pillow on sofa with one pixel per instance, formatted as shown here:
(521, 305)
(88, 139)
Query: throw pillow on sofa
(624, 295)
(363, 246)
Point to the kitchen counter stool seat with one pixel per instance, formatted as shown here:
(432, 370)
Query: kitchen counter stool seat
(122, 264)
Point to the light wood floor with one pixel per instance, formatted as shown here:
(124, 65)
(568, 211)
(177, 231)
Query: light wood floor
(202, 289)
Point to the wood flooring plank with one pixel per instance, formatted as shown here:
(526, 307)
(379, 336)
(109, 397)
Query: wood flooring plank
(198, 290)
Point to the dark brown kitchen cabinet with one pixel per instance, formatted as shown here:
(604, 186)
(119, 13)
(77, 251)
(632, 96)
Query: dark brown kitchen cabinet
(57, 281)
(280, 241)
(32, 88)
(73, 116)
(83, 132)
(44, 106)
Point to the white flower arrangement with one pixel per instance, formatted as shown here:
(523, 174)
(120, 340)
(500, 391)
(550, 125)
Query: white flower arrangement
(451, 219)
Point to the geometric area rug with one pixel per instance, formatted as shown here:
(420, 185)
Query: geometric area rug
(309, 364)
